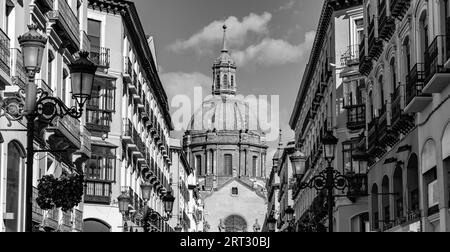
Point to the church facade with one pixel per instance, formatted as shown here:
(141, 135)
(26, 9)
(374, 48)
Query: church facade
(227, 149)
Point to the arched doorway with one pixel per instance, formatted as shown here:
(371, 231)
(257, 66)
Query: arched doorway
(375, 208)
(398, 192)
(235, 223)
(14, 185)
(95, 226)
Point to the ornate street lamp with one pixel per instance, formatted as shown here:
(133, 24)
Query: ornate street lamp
(34, 103)
(146, 189)
(124, 201)
(329, 142)
(82, 73)
(168, 200)
(271, 224)
(298, 161)
(289, 212)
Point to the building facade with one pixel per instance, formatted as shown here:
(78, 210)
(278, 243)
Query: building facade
(227, 149)
(321, 106)
(129, 121)
(405, 59)
(64, 24)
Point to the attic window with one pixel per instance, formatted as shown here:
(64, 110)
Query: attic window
(234, 191)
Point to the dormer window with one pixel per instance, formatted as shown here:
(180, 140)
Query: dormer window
(235, 191)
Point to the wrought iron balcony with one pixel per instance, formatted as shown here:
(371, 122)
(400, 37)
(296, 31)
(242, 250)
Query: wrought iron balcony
(399, 8)
(375, 43)
(365, 63)
(66, 25)
(385, 134)
(100, 56)
(386, 24)
(52, 220)
(356, 117)
(5, 54)
(17, 70)
(351, 56)
(373, 141)
(66, 221)
(128, 71)
(38, 213)
(437, 65)
(97, 191)
(401, 122)
(129, 135)
(416, 100)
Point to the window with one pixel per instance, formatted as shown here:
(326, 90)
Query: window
(102, 164)
(101, 106)
(198, 165)
(94, 32)
(228, 164)
(235, 191)
(65, 85)
(382, 97)
(254, 166)
(225, 81)
(14, 166)
(393, 73)
(232, 81)
(218, 81)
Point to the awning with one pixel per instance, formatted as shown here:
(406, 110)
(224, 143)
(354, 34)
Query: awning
(104, 144)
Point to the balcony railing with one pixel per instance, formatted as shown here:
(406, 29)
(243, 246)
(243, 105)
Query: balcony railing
(69, 128)
(67, 24)
(401, 122)
(437, 75)
(37, 211)
(399, 8)
(356, 117)
(375, 44)
(386, 25)
(5, 53)
(365, 64)
(372, 135)
(415, 98)
(17, 70)
(98, 192)
(351, 56)
(100, 56)
(67, 219)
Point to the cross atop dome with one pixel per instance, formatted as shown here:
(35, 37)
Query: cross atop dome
(224, 70)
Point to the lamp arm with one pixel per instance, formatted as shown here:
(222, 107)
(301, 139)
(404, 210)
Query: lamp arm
(49, 107)
(320, 182)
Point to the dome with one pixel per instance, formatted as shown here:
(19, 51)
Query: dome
(225, 112)
(224, 59)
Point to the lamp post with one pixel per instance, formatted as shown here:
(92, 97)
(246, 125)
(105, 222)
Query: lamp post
(151, 215)
(271, 223)
(33, 103)
(289, 212)
(328, 180)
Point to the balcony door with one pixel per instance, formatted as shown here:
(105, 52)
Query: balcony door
(94, 34)
(14, 186)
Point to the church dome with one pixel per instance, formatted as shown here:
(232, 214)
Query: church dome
(225, 112)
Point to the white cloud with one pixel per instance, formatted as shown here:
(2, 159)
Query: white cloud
(287, 6)
(270, 52)
(237, 33)
(179, 83)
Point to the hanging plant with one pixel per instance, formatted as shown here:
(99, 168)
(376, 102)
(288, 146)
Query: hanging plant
(65, 192)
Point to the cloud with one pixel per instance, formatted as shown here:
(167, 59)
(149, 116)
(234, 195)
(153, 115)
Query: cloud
(270, 52)
(287, 6)
(179, 83)
(237, 33)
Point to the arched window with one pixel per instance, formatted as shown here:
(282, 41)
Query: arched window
(198, 165)
(413, 184)
(423, 35)
(381, 89)
(14, 174)
(406, 56)
(375, 209)
(232, 81)
(393, 74)
(371, 106)
(225, 81)
(96, 226)
(218, 81)
(398, 193)
(385, 200)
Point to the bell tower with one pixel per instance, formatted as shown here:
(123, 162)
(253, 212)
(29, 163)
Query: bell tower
(224, 71)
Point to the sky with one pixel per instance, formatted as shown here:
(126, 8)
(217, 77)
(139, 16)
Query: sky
(270, 40)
